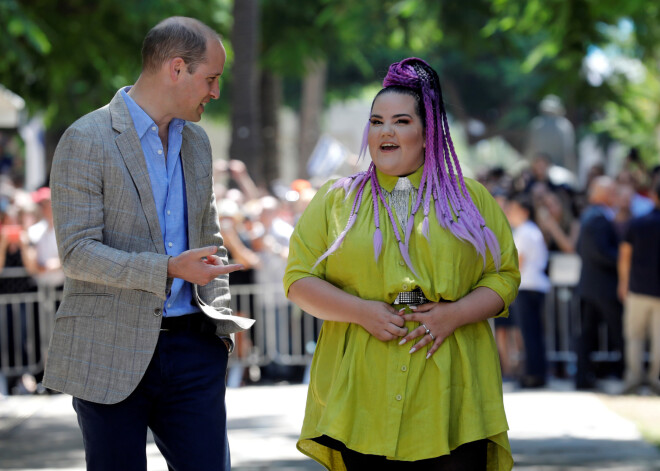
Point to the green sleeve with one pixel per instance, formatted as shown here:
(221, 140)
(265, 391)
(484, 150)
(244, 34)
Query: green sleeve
(309, 240)
(504, 282)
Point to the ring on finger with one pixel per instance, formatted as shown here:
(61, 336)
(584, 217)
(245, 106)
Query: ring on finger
(428, 332)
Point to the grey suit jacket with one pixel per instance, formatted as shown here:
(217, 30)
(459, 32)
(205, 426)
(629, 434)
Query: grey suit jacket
(114, 258)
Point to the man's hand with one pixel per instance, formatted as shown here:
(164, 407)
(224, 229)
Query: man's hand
(199, 266)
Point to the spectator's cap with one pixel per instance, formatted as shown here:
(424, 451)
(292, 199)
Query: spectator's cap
(299, 185)
(297, 188)
(228, 209)
(42, 194)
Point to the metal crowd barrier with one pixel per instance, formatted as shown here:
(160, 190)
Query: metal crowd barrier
(562, 309)
(282, 333)
(26, 322)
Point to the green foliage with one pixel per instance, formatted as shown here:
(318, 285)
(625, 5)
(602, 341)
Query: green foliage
(562, 33)
(634, 118)
(69, 57)
(496, 58)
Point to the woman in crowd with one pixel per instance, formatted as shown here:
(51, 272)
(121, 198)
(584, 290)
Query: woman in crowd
(406, 373)
(527, 310)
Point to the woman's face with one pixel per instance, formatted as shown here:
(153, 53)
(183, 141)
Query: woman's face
(396, 135)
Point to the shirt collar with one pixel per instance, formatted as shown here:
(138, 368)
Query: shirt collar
(388, 182)
(141, 120)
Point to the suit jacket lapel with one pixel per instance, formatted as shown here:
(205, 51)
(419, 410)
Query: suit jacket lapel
(130, 148)
(195, 210)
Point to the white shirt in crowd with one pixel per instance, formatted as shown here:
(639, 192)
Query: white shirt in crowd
(43, 238)
(534, 253)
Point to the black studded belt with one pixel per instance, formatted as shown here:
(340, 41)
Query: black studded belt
(415, 296)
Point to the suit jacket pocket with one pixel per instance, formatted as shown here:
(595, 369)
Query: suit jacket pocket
(83, 305)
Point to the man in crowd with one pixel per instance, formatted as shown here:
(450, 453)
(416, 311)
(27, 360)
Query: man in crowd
(598, 247)
(639, 289)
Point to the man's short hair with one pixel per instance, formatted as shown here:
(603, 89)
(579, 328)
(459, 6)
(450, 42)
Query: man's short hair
(177, 36)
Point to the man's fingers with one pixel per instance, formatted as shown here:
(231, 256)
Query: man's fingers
(224, 269)
(213, 271)
(205, 251)
(213, 260)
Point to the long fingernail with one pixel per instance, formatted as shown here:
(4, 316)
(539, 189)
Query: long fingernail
(412, 350)
(428, 355)
(403, 341)
(412, 307)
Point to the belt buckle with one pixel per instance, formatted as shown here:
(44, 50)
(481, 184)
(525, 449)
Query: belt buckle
(414, 297)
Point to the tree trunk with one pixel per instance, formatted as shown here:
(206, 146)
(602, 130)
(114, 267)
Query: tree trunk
(271, 99)
(311, 109)
(246, 142)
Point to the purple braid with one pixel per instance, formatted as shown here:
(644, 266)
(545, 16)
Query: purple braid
(378, 236)
(357, 202)
(442, 178)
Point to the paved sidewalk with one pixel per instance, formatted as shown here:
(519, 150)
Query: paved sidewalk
(551, 430)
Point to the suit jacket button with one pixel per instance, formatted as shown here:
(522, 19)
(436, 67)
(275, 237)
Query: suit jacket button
(158, 311)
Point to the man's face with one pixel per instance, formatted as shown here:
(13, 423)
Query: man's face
(202, 86)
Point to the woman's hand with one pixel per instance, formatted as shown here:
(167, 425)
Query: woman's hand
(438, 319)
(325, 301)
(442, 319)
(382, 321)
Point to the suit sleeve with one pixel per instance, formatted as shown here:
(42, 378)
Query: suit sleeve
(215, 293)
(598, 243)
(78, 187)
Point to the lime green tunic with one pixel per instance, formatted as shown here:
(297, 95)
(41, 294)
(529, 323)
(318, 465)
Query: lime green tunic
(374, 396)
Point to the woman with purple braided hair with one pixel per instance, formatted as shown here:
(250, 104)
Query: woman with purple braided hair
(405, 262)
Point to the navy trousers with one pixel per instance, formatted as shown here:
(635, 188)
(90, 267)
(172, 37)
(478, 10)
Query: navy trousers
(527, 311)
(181, 399)
(596, 312)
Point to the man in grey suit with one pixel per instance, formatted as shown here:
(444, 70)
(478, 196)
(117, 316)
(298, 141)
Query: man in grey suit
(143, 332)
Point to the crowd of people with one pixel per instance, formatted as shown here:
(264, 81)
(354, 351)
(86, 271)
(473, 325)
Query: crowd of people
(549, 217)
(28, 259)
(256, 226)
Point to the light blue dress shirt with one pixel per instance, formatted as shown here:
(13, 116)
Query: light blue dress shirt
(169, 190)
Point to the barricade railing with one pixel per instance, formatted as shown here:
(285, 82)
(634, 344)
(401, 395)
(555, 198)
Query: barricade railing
(562, 309)
(563, 315)
(26, 322)
(282, 333)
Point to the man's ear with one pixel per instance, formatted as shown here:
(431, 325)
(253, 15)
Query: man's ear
(176, 66)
